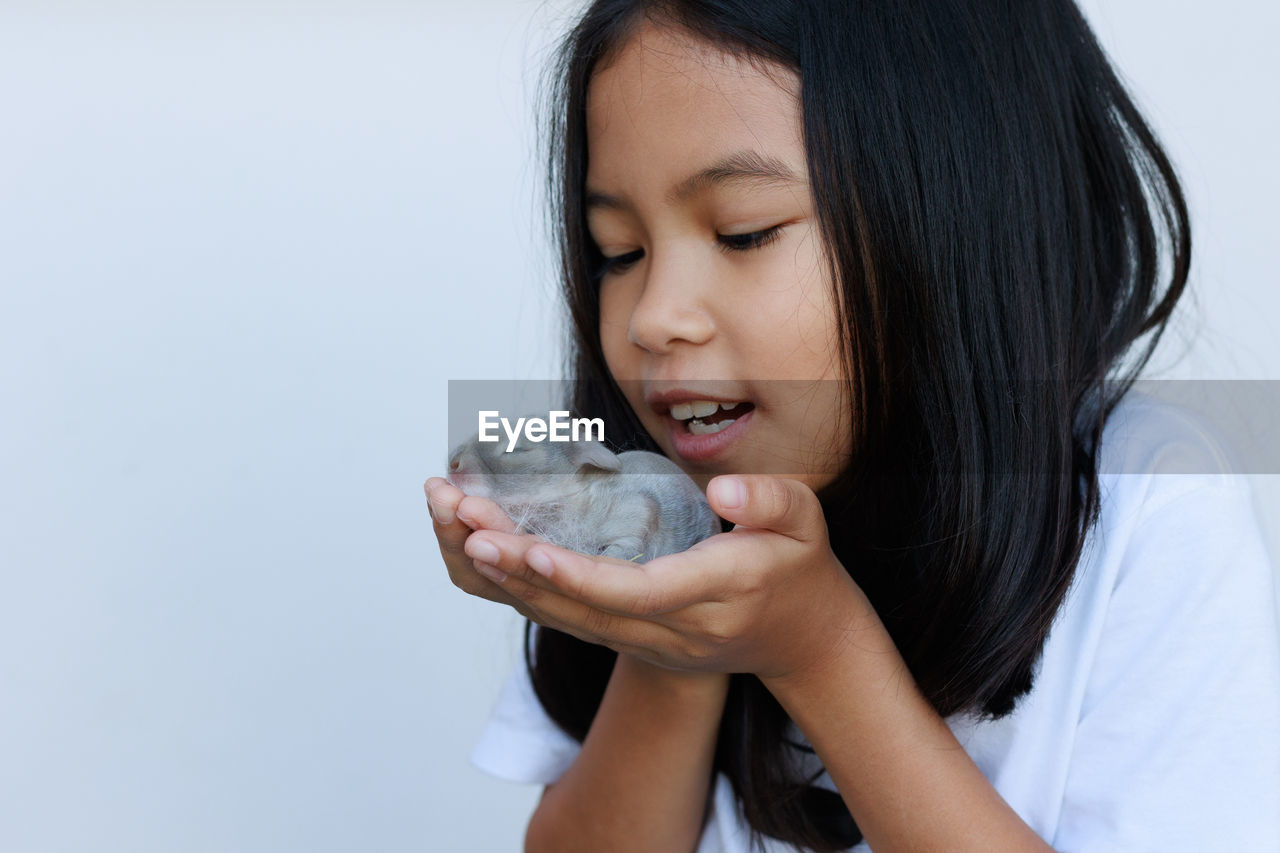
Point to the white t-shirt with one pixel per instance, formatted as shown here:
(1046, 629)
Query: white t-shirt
(1153, 723)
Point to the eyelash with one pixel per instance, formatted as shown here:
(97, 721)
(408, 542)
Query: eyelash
(726, 243)
(745, 242)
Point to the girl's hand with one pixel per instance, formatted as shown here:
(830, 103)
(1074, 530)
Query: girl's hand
(769, 597)
(443, 499)
(455, 516)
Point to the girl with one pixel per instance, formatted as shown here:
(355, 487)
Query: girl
(904, 248)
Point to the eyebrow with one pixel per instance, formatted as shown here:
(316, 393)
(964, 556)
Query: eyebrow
(742, 166)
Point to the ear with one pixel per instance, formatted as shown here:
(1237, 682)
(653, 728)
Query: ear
(595, 455)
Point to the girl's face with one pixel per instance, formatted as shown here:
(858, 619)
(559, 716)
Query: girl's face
(715, 286)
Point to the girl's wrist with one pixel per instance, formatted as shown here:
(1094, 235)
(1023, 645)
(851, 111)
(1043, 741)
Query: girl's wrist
(713, 685)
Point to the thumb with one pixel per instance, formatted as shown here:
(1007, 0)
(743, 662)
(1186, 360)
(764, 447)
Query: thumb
(784, 506)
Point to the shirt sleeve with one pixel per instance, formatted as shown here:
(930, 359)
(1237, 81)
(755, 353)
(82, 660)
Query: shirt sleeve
(1177, 747)
(520, 742)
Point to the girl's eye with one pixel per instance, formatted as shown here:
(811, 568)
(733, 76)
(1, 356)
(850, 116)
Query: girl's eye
(745, 242)
(724, 242)
(618, 263)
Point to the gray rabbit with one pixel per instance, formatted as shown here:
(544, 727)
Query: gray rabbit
(579, 495)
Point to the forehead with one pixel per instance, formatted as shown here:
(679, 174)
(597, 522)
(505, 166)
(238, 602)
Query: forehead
(667, 102)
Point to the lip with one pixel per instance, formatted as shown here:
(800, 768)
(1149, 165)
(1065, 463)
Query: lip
(705, 448)
(662, 401)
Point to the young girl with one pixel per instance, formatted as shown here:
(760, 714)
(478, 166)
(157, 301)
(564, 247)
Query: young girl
(964, 604)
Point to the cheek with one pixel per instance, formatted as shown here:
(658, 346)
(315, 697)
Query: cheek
(793, 316)
(615, 316)
(820, 329)
(819, 311)
(622, 358)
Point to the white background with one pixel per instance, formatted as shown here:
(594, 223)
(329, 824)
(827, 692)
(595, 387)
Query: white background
(243, 246)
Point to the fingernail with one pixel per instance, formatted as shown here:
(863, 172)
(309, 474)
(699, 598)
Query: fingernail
(730, 493)
(440, 515)
(485, 551)
(491, 572)
(539, 562)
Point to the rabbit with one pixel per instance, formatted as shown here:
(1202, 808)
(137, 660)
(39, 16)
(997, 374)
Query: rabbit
(579, 495)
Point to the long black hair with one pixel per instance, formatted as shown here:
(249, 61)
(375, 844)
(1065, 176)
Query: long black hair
(996, 214)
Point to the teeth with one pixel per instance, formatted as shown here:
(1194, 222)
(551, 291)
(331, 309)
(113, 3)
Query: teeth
(702, 408)
(699, 428)
(698, 409)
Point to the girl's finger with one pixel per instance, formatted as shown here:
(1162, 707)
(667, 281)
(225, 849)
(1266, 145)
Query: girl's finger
(708, 571)
(506, 552)
(784, 506)
(503, 553)
(483, 514)
(451, 528)
(442, 500)
(456, 514)
(639, 636)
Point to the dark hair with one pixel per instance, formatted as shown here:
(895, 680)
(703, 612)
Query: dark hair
(993, 208)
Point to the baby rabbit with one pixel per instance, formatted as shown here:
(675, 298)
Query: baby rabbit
(579, 495)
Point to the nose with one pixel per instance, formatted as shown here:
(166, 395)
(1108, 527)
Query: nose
(670, 307)
(458, 472)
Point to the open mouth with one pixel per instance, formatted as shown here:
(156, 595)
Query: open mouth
(708, 417)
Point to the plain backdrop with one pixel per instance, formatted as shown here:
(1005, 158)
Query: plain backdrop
(243, 247)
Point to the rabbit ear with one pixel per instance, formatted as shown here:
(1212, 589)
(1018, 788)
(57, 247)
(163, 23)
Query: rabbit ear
(595, 455)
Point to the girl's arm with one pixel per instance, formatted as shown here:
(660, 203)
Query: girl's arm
(908, 782)
(643, 777)
(769, 598)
